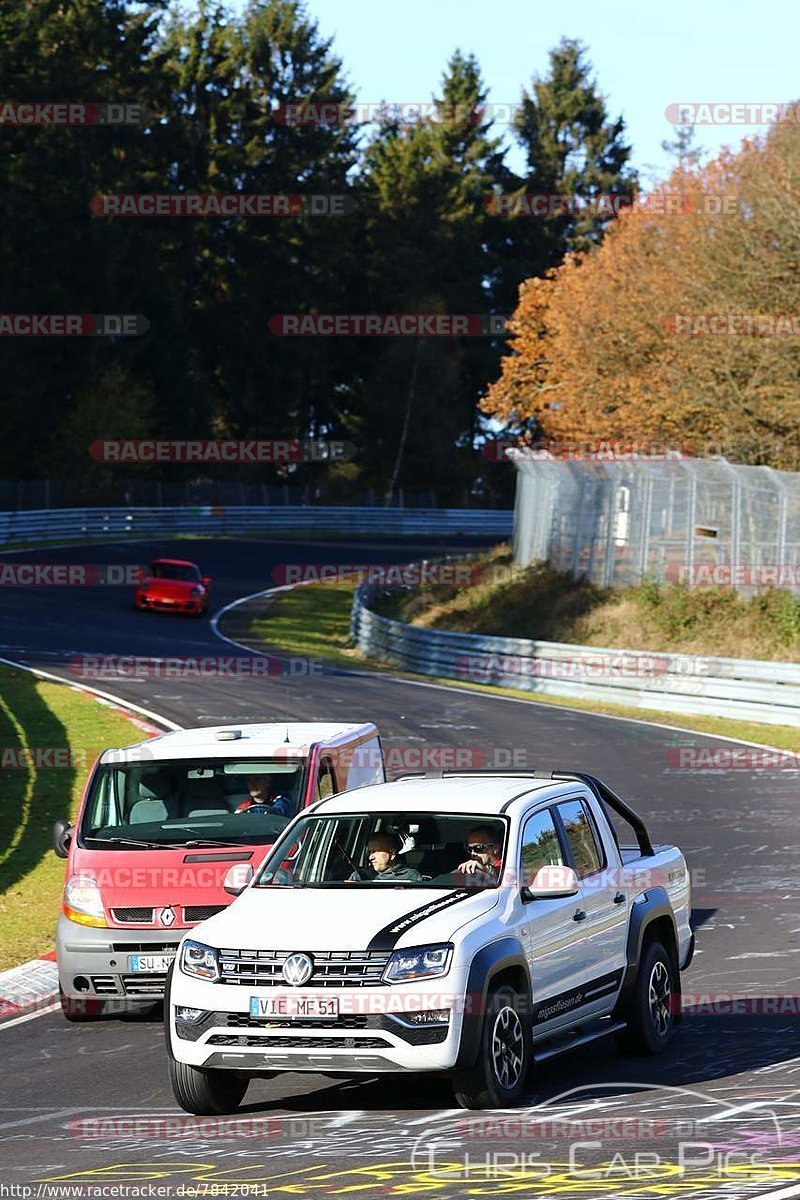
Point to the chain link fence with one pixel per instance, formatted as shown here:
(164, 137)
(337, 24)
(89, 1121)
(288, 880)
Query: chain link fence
(680, 520)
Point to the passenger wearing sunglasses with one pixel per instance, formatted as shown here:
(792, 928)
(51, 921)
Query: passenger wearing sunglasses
(485, 856)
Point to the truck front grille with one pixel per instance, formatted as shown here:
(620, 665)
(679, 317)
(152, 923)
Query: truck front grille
(298, 1043)
(332, 968)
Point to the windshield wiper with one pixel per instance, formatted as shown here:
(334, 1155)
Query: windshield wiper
(207, 842)
(123, 841)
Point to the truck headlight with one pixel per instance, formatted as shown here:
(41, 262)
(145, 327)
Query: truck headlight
(419, 962)
(83, 902)
(200, 961)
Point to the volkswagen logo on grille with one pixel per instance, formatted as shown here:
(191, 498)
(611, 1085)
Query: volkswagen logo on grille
(298, 969)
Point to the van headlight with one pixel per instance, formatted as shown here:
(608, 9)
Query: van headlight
(419, 962)
(200, 961)
(83, 903)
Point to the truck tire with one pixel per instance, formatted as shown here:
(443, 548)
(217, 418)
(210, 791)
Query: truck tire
(86, 1008)
(499, 1076)
(207, 1093)
(650, 1010)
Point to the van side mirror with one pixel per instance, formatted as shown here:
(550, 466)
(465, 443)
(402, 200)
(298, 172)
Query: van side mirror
(206, 582)
(62, 836)
(552, 883)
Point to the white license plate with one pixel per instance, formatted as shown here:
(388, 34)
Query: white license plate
(143, 963)
(295, 1006)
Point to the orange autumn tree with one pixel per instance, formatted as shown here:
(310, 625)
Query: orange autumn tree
(596, 350)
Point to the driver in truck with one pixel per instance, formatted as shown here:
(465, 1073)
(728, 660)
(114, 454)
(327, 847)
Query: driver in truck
(384, 851)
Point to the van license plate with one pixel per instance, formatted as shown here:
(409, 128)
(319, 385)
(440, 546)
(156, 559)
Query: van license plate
(295, 1006)
(144, 963)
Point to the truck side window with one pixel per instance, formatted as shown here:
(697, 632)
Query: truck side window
(582, 840)
(540, 846)
(326, 783)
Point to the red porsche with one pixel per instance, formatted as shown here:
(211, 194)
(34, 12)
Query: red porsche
(173, 585)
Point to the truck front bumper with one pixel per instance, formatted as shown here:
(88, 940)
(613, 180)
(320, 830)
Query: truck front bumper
(378, 1029)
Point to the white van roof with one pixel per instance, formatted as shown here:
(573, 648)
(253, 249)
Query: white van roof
(283, 738)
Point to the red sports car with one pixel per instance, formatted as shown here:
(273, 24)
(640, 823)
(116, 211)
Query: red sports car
(173, 585)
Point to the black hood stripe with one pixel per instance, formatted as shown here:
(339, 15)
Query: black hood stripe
(388, 937)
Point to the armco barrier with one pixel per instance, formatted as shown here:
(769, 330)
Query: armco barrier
(37, 525)
(755, 690)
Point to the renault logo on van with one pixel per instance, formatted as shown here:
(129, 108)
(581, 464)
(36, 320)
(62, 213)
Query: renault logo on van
(298, 969)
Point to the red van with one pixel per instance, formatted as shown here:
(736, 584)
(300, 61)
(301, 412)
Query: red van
(165, 826)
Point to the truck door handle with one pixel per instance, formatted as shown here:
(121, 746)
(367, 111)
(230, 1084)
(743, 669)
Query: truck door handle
(619, 898)
(579, 914)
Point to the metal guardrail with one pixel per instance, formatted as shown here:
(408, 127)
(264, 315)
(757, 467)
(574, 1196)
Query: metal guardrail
(748, 690)
(35, 525)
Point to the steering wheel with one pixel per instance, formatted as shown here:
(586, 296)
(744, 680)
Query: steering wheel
(254, 809)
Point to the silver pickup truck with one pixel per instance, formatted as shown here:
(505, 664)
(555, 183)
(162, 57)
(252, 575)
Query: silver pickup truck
(473, 924)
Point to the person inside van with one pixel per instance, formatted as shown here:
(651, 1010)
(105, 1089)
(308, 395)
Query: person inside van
(263, 799)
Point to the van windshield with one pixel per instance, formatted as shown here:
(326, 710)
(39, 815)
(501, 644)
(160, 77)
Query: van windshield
(404, 849)
(231, 802)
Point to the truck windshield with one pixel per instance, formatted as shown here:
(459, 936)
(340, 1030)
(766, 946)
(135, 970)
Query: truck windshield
(406, 849)
(229, 802)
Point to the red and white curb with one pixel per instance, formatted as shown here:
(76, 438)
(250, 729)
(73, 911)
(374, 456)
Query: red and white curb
(29, 988)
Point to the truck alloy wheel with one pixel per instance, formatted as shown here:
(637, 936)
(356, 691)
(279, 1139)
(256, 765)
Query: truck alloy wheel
(650, 1010)
(498, 1078)
(508, 1048)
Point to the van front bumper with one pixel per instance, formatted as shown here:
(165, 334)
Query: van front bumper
(379, 1029)
(103, 962)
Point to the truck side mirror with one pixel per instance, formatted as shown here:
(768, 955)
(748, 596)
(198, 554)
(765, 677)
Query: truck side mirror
(237, 879)
(62, 836)
(552, 883)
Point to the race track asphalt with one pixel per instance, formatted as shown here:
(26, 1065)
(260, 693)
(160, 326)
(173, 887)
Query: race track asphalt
(720, 1112)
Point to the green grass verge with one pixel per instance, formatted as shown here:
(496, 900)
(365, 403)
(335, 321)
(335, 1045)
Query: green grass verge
(505, 600)
(314, 620)
(35, 716)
